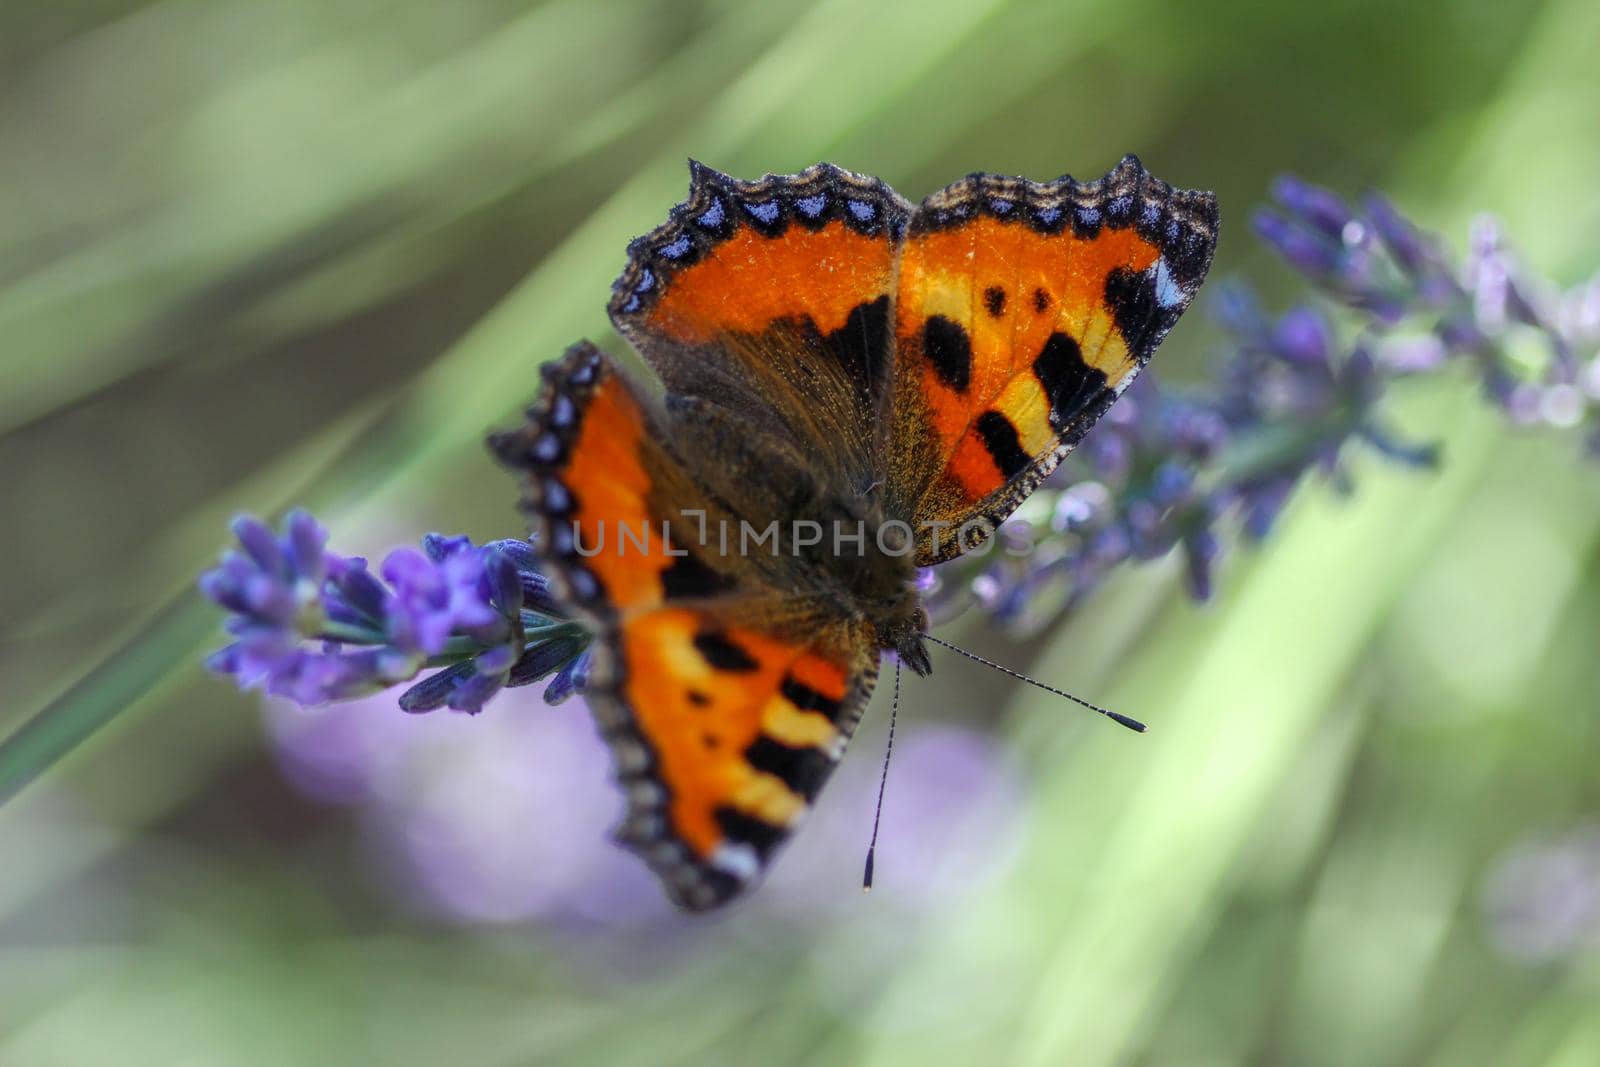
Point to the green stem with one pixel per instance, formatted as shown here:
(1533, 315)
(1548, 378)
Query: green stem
(105, 692)
(463, 648)
(351, 633)
(1275, 447)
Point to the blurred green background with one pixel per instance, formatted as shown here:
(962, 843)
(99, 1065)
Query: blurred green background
(260, 254)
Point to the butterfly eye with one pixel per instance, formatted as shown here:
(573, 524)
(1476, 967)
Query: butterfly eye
(920, 619)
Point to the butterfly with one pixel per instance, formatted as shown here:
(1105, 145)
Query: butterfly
(838, 388)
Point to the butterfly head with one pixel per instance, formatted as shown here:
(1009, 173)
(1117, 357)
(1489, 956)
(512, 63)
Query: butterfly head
(903, 636)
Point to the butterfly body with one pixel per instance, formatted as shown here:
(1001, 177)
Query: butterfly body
(848, 388)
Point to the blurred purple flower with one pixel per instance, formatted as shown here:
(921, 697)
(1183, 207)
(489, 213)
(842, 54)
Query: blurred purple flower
(504, 819)
(1313, 254)
(1321, 209)
(1541, 903)
(501, 819)
(954, 818)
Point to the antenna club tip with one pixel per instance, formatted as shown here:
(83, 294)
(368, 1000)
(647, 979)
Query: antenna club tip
(1133, 724)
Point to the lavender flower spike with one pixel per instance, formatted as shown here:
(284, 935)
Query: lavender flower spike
(1293, 397)
(316, 627)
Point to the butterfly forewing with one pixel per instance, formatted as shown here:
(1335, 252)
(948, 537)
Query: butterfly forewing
(1022, 311)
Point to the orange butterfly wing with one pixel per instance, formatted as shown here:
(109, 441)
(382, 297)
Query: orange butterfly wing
(1022, 311)
(727, 703)
(772, 299)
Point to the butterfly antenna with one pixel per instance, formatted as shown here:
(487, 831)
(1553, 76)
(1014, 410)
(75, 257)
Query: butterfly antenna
(883, 779)
(1132, 724)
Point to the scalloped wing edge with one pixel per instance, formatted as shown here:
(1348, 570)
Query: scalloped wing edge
(719, 205)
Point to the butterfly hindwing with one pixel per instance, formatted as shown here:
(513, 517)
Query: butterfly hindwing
(726, 701)
(1022, 311)
(737, 730)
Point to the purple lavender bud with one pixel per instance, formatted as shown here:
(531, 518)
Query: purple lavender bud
(407, 568)
(438, 547)
(568, 680)
(1170, 484)
(466, 578)
(520, 552)
(1200, 552)
(1304, 337)
(1412, 355)
(1359, 376)
(496, 660)
(355, 674)
(356, 585)
(305, 542)
(1319, 208)
(433, 692)
(1461, 335)
(226, 660)
(1311, 255)
(545, 658)
(309, 679)
(488, 676)
(257, 584)
(1490, 293)
(419, 610)
(431, 599)
(269, 600)
(222, 589)
(258, 540)
(537, 595)
(1399, 235)
(505, 584)
(1520, 307)
(1262, 503)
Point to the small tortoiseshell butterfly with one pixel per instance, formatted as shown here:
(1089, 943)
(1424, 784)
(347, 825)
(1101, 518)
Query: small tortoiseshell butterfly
(827, 357)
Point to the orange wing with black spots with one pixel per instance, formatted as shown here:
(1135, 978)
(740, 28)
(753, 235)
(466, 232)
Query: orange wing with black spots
(773, 299)
(732, 731)
(827, 354)
(1022, 311)
(726, 700)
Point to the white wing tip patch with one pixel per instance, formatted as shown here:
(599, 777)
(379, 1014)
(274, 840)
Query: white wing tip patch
(737, 861)
(1168, 294)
